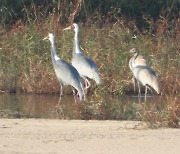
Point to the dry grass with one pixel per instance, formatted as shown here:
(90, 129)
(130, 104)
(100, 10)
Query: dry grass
(164, 113)
(25, 65)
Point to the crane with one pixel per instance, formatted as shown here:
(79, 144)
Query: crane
(65, 72)
(144, 75)
(137, 60)
(85, 66)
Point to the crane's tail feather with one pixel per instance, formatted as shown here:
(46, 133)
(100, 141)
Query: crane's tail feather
(83, 92)
(156, 85)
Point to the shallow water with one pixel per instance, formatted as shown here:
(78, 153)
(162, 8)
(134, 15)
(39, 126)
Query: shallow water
(45, 106)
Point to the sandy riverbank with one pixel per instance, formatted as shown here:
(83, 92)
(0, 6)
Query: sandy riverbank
(76, 136)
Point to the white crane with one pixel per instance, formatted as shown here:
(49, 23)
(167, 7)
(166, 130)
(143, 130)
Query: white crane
(144, 75)
(65, 72)
(85, 66)
(137, 60)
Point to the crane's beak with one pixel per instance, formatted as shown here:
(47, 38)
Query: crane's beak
(46, 38)
(67, 28)
(131, 51)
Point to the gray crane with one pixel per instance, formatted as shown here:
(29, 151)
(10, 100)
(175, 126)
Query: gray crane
(85, 66)
(65, 72)
(144, 75)
(137, 60)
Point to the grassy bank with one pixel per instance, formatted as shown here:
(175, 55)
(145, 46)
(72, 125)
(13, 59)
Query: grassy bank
(26, 62)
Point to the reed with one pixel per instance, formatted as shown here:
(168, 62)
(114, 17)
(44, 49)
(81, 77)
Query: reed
(25, 57)
(25, 61)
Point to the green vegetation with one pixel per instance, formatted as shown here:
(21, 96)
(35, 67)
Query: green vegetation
(107, 34)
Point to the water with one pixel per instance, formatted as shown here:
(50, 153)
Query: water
(45, 106)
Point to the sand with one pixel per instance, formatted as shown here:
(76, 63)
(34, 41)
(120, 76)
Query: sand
(41, 136)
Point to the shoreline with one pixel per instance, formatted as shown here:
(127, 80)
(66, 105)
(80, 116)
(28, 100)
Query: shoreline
(85, 136)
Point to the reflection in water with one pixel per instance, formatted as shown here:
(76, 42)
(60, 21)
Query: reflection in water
(32, 106)
(44, 106)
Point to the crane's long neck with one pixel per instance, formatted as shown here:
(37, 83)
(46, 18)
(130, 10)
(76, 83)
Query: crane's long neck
(54, 55)
(76, 43)
(136, 55)
(132, 63)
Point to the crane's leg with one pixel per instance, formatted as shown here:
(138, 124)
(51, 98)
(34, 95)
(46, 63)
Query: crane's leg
(134, 83)
(145, 93)
(61, 92)
(87, 84)
(74, 94)
(139, 91)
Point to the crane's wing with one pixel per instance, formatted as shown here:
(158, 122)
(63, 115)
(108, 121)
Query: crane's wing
(66, 72)
(86, 67)
(146, 76)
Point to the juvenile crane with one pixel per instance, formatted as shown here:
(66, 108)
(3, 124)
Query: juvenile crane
(137, 60)
(85, 66)
(65, 72)
(144, 75)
